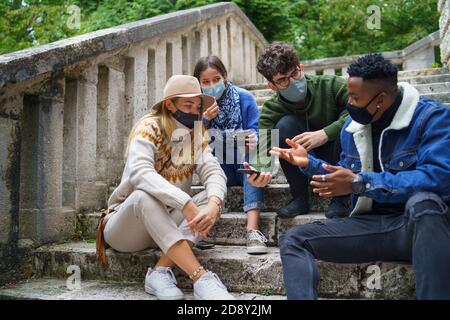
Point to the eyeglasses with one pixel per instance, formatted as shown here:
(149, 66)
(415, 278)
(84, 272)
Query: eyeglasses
(285, 81)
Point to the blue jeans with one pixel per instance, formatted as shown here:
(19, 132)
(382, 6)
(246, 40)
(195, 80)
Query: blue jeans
(253, 196)
(420, 235)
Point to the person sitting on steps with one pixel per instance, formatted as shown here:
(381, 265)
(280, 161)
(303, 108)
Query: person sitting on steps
(152, 206)
(308, 109)
(395, 164)
(235, 110)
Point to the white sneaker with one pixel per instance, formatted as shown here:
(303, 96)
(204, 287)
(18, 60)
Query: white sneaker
(161, 283)
(256, 242)
(209, 287)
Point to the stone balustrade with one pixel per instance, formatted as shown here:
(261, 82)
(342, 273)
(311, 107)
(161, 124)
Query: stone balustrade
(66, 109)
(418, 55)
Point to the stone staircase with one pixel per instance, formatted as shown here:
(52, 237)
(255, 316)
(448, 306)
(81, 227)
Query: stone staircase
(433, 83)
(249, 277)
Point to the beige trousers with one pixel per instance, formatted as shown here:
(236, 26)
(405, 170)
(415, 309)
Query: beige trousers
(142, 222)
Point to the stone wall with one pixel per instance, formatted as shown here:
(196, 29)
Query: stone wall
(66, 110)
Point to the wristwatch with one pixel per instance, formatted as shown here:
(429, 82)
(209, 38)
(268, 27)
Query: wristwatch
(358, 185)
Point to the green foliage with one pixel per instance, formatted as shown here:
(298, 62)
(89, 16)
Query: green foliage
(337, 28)
(317, 28)
(265, 292)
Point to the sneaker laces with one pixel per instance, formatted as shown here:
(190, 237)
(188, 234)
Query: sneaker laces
(257, 235)
(167, 274)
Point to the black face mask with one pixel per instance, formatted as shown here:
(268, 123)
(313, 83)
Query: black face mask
(187, 119)
(361, 115)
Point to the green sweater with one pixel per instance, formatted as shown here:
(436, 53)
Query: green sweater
(325, 101)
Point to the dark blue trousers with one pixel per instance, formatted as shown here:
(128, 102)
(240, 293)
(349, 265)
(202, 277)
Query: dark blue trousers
(419, 235)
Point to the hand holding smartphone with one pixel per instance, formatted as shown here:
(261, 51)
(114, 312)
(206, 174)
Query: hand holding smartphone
(249, 171)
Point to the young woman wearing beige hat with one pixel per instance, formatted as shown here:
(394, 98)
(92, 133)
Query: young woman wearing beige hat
(152, 206)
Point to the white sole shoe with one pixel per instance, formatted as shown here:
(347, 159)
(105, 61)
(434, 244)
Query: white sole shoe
(196, 297)
(257, 250)
(160, 297)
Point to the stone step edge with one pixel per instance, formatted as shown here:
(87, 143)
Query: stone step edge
(56, 289)
(261, 94)
(270, 225)
(256, 274)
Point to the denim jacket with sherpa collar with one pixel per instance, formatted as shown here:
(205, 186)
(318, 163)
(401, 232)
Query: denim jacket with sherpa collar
(414, 153)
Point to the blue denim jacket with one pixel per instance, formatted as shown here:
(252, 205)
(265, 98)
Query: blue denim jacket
(414, 153)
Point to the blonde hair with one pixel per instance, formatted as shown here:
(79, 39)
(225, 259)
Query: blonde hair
(166, 124)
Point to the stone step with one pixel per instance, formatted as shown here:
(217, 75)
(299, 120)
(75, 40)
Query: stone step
(56, 289)
(443, 97)
(262, 93)
(229, 230)
(239, 271)
(427, 79)
(275, 196)
(428, 73)
(254, 86)
(422, 72)
(426, 88)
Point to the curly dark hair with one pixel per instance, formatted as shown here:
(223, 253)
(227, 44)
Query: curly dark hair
(374, 67)
(277, 58)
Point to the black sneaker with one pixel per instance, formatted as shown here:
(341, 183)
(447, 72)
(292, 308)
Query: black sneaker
(296, 207)
(204, 245)
(338, 208)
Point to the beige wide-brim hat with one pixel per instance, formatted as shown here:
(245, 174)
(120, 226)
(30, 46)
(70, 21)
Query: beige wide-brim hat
(182, 86)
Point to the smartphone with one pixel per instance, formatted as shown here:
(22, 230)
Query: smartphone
(243, 133)
(248, 171)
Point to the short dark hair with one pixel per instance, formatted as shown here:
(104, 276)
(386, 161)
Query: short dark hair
(277, 58)
(209, 62)
(374, 67)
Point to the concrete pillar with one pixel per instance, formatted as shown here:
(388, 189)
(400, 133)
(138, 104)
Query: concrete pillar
(194, 44)
(215, 41)
(311, 72)
(80, 141)
(9, 169)
(115, 133)
(259, 77)
(248, 58)
(42, 215)
(237, 64)
(139, 90)
(224, 45)
(160, 70)
(110, 130)
(253, 70)
(344, 72)
(329, 72)
(177, 56)
(204, 42)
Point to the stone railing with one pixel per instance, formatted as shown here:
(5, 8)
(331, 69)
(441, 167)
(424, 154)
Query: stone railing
(416, 56)
(66, 109)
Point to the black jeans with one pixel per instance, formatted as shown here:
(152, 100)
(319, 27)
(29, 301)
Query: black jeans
(289, 126)
(420, 235)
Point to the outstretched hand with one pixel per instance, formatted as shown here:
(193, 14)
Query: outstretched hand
(296, 155)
